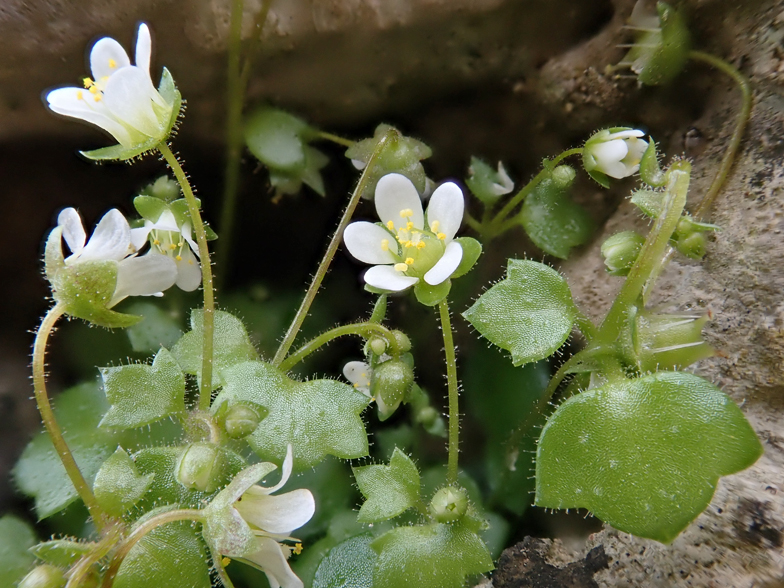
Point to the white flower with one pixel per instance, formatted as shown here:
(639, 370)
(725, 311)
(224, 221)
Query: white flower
(120, 98)
(616, 154)
(360, 374)
(246, 523)
(175, 241)
(111, 241)
(411, 245)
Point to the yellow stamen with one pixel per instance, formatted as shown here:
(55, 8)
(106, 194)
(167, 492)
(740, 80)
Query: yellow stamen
(409, 225)
(385, 244)
(225, 561)
(97, 97)
(356, 385)
(401, 267)
(88, 82)
(391, 225)
(297, 549)
(441, 236)
(79, 95)
(434, 226)
(104, 78)
(112, 63)
(190, 262)
(156, 242)
(406, 212)
(409, 244)
(421, 245)
(409, 261)
(178, 258)
(93, 89)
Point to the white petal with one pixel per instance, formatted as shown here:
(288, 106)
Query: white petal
(627, 134)
(358, 373)
(139, 236)
(143, 48)
(364, 241)
(288, 465)
(385, 277)
(446, 207)
(144, 276)
(188, 271)
(240, 484)
(128, 96)
(276, 514)
(66, 101)
(395, 192)
(111, 239)
(271, 559)
(166, 222)
(608, 158)
(445, 266)
(106, 52)
(637, 148)
(73, 231)
(358, 164)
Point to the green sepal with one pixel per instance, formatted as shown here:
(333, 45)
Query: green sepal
(348, 564)
(650, 202)
(431, 295)
(53, 254)
(643, 455)
(600, 177)
(553, 221)
(650, 171)
(388, 490)
(231, 345)
(149, 207)
(486, 183)
(62, 552)
(472, 249)
(182, 214)
(169, 555)
(158, 329)
(530, 313)
(119, 485)
(169, 92)
(142, 394)
(379, 312)
(39, 473)
(429, 556)
(317, 417)
(16, 539)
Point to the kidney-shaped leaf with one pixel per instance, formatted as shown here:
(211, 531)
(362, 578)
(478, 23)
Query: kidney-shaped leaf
(643, 455)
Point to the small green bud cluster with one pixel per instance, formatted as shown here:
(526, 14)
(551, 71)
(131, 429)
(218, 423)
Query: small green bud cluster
(621, 251)
(449, 504)
(201, 466)
(400, 155)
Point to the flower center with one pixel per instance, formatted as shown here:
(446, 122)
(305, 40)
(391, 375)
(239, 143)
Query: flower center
(169, 243)
(95, 88)
(420, 249)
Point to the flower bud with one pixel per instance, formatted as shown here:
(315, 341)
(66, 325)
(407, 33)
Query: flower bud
(241, 420)
(615, 152)
(563, 176)
(391, 384)
(621, 251)
(669, 341)
(402, 340)
(449, 504)
(486, 183)
(44, 576)
(200, 467)
(377, 345)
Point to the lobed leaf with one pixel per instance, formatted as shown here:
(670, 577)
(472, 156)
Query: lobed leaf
(388, 490)
(119, 485)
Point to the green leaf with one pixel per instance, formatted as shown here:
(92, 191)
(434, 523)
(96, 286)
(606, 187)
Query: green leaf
(431, 295)
(158, 329)
(142, 394)
(39, 472)
(650, 202)
(472, 249)
(170, 555)
(348, 565)
(119, 485)
(643, 455)
(650, 171)
(61, 552)
(389, 490)
(429, 556)
(275, 137)
(317, 417)
(530, 313)
(553, 222)
(231, 343)
(16, 538)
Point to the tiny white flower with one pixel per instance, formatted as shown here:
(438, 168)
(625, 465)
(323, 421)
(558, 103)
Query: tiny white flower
(169, 238)
(616, 154)
(245, 522)
(147, 275)
(410, 245)
(120, 98)
(360, 374)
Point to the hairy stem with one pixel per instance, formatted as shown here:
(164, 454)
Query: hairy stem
(335, 138)
(454, 400)
(138, 534)
(50, 422)
(208, 324)
(220, 569)
(321, 272)
(362, 329)
(78, 573)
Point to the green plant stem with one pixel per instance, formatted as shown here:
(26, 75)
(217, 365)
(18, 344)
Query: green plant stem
(220, 569)
(740, 127)
(454, 400)
(548, 166)
(321, 272)
(362, 329)
(50, 422)
(334, 138)
(586, 326)
(208, 324)
(104, 546)
(138, 534)
(473, 223)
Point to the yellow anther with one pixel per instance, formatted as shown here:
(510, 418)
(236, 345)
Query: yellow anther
(190, 262)
(225, 561)
(408, 244)
(385, 244)
(297, 549)
(112, 63)
(93, 89)
(356, 385)
(104, 78)
(79, 95)
(409, 225)
(409, 261)
(406, 212)
(434, 226)
(172, 246)
(441, 236)
(97, 97)
(391, 225)
(179, 244)
(421, 245)
(178, 258)
(363, 374)
(88, 82)
(156, 242)
(401, 267)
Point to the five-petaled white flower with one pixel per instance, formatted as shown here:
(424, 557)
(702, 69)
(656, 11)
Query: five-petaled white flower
(175, 241)
(245, 522)
(616, 154)
(410, 245)
(146, 275)
(120, 98)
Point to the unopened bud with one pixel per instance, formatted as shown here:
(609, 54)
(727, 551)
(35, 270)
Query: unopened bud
(377, 345)
(44, 576)
(199, 467)
(563, 176)
(392, 381)
(621, 251)
(241, 421)
(402, 340)
(669, 341)
(449, 504)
